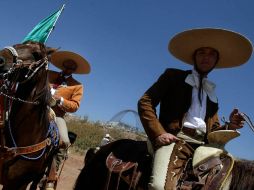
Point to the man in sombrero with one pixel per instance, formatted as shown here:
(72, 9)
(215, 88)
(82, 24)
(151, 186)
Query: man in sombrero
(66, 91)
(188, 103)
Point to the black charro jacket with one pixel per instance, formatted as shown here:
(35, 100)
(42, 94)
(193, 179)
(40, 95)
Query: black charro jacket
(174, 96)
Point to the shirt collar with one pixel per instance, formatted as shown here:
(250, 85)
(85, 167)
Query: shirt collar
(208, 86)
(65, 76)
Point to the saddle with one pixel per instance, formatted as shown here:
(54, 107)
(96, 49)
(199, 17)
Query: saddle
(125, 170)
(214, 172)
(211, 164)
(128, 162)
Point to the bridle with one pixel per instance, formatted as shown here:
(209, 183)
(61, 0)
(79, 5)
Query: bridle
(248, 121)
(18, 64)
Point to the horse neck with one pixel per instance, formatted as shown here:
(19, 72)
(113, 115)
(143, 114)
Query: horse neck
(27, 118)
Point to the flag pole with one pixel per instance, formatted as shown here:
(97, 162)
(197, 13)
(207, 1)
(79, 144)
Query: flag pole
(61, 10)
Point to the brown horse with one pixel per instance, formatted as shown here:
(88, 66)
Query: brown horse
(96, 175)
(26, 135)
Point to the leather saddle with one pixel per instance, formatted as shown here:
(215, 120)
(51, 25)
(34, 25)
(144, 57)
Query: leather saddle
(117, 165)
(128, 162)
(126, 170)
(210, 174)
(211, 164)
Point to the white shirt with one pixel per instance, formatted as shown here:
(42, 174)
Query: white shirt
(104, 141)
(196, 114)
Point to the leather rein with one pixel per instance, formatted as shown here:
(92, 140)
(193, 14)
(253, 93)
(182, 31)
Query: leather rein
(248, 121)
(8, 86)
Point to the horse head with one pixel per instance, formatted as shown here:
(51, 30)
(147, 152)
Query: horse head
(24, 59)
(23, 73)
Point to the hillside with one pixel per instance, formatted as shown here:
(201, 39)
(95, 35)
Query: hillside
(89, 134)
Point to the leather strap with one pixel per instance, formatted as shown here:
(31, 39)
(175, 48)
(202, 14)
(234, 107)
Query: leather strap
(214, 171)
(117, 165)
(192, 132)
(32, 148)
(209, 164)
(52, 176)
(189, 131)
(6, 152)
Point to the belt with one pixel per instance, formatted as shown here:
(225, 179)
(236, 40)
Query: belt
(191, 132)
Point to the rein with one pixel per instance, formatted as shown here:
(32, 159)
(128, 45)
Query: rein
(42, 62)
(9, 87)
(248, 121)
(17, 64)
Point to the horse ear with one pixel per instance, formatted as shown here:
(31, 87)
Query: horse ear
(51, 50)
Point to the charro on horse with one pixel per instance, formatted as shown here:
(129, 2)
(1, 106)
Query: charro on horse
(27, 136)
(126, 164)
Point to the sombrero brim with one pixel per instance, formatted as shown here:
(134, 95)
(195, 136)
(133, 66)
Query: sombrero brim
(234, 49)
(59, 57)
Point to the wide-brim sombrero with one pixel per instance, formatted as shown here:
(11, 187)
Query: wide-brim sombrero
(59, 57)
(234, 49)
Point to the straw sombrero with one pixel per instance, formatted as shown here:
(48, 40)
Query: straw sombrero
(59, 57)
(234, 49)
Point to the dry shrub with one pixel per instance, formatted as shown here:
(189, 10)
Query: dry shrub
(89, 134)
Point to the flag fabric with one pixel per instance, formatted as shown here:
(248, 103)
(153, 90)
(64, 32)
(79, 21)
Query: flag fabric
(42, 30)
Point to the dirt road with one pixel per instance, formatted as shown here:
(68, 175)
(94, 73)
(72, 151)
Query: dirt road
(70, 172)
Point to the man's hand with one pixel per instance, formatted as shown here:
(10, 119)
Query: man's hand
(236, 120)
(57, 98)
(165, 139)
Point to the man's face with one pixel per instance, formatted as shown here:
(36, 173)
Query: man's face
(206, 59)
(69, 67)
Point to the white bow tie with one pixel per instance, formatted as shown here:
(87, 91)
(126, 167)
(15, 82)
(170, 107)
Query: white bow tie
(208, 86)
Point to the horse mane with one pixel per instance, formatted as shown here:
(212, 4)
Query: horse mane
(242, 175)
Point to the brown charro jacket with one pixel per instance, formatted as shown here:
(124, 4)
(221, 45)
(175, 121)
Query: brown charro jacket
(71, 93)
(174, 96)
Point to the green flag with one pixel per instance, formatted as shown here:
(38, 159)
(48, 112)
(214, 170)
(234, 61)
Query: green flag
(42, 30)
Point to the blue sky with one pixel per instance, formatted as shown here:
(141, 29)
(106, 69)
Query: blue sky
(126, 42)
